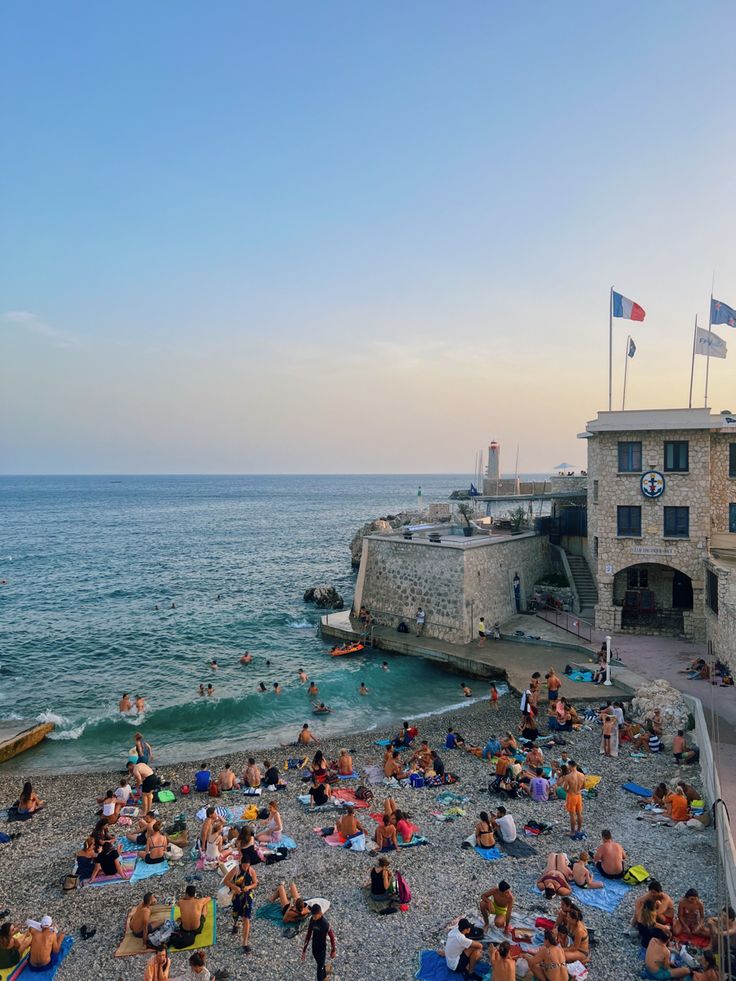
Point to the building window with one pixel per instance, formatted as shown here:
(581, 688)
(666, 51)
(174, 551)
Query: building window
(732, 517)
(595, 492)
(629, 457)
(711, 590)
(595, 546)
(676, 522)
(629, 522)
(637, 578)
(676, 457)
(732, 459)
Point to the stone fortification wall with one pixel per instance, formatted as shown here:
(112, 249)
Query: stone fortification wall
(721, 627)
(455, 583)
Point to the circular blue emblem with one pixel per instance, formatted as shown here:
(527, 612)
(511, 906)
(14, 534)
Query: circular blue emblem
(652, 484)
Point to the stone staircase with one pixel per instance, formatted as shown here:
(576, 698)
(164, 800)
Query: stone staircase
(585, 585)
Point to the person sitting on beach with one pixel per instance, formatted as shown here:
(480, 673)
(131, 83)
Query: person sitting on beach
(577, 947)
(45, 945)
(404, 828)
(548, 964)
(210, 817)
(146, 780)
(539, 787)
(690, 917)
(242, 882)
(139, 919)
(159, 966)
(320, 794)
(422, 757)
(677, 806)
(86, 858)
(212, 839)
(557, 874)
(681, 751)
(504, 825)
(192, 918)
(657, 960)
(348, 825)
(484, 836)
(143, 749)
(609, 857)
(386, 836)
(29, 802)
(722, 928)
(107, 862)
(196, 970)
(709, 968)
(156, 846)
(437, 764)
(293, 908)
(381, 880)
(227, 779)
(271, 834)
(509, 743)
(497, 902)
(406, 735)
(271, 775)
(12, 948)
(110, 807)
(305, 736)
(202, 779)
(247, 847)
(318, 767)
(462, 953)
(503, 965)
(252, 776)
(392, 767)
(659, 795)
(123, 792)
(582, 875)
(345, 764)
(453, 739)
(125, 705)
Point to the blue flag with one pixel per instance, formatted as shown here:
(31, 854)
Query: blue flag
(632, 348)
(720, 313)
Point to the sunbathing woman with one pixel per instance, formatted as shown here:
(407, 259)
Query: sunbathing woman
(484, 836)
(556, 876)
(271, 834)
(86, 858)
(107, 863)
(385, 836)
(12, 948)
(690, 917)
(578, 948)
(293, 907)
(29, 802)
(345, 764)
(156, 846)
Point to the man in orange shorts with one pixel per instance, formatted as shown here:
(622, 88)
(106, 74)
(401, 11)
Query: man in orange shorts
(573, 783)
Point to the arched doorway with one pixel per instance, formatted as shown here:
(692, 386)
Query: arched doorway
(652, 598)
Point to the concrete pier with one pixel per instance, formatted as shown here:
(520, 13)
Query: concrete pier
(18, 735)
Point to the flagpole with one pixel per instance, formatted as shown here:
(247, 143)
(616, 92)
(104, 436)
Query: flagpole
(707, 362)
(692, 364)
(610, 350)
(626, 371)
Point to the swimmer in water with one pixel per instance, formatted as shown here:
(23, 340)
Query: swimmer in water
(173, 606)
(261, 687)
(384, 666)
(321, 709)
(140, 703)
(363, 690)
(157, 607)
(246, 658)
(124, 704)
(302, 675)
(466, 691)
(213, 664)
(276, 688)
(313, 689)
(210, 690)
(219, 596)
(268, 664)
(201, 689)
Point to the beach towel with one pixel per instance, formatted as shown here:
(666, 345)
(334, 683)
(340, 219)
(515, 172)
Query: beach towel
(305, 800)
(271, 912)
(221, 811)
(124, 845)
(449, 797)
(693, 940)
(334, 840)
(13, 814)
(591, 781)
(11, 973)
(344, 796)
(433, 967)
(207, 936)
(130, 945)
(442, 781)
(297, 763)
(490, 854)
(127, 863)
(415, 840)
(517, 848)
(143, 870)
(606, 899)
(348, 776)
(252, 791)
(50, 973)
(285, 842)
(580, 676)
(635, 788)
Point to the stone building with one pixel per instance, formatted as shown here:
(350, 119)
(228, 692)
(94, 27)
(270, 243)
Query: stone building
(662, 522)
(456, 580)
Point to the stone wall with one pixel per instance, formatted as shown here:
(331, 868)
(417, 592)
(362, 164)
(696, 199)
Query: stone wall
(723, 487)
(607, 489)
(721, 627)
(455, 582)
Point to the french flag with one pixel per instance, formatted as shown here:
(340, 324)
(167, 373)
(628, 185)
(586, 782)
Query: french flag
(623, 307)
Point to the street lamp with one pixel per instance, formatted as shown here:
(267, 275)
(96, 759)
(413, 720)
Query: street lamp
(608, 662)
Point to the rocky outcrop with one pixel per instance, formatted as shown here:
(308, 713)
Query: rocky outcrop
(324, 597)
(381, 526)
(660, 694)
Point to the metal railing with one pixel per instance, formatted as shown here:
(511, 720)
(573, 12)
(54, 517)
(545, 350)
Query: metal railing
(565, 620)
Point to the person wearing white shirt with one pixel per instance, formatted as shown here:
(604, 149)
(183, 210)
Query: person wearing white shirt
(196, 971)
(504, 824)
(124, 791)
(462, 953)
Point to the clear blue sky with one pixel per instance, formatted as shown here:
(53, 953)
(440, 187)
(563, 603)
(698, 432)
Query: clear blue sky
(351, 237)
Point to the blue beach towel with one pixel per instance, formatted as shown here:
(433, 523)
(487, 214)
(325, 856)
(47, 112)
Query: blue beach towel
(635, 788)
(145, 871)
(581, 676)
(66, 945)
(270, 911)
(285, 842)
(490, 854)
(606, 899)
(415, 840)
(124, 844)
(432, 967)
(348, 776)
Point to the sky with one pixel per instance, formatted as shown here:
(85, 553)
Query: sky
(343, 237)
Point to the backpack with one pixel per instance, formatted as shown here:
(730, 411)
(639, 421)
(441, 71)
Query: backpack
(363, 793)
(635, 875)
(214, 790)
(402, 889)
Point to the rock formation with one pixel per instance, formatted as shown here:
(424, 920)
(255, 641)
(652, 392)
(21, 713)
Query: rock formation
(324, 597)
(381, 526)
(660, 694)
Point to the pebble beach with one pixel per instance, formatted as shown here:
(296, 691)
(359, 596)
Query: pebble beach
(445, 879)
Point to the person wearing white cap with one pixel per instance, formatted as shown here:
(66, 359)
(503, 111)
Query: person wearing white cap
(45, 944)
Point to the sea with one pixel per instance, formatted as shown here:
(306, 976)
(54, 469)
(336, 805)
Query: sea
(136, 583)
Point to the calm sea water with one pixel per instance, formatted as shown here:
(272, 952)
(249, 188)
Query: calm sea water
(88, 559)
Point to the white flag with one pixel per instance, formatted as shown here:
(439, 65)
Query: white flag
(707, 342)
